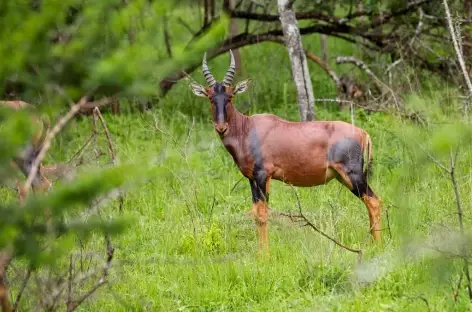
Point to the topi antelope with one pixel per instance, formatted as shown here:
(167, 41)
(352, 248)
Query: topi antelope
(266, 147)
(25, 158)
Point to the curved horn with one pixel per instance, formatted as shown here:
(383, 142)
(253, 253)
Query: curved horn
(230, 73)
(206, 72)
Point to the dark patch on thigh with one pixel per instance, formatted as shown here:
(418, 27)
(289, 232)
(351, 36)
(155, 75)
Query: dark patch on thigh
(348, 152)
(258, 181)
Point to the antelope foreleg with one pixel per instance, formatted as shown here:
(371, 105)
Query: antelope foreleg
(261, 217)
(260, 209)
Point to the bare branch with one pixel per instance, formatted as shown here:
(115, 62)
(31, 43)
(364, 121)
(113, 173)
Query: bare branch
(456, 292)
(167, 37)
(361, 65)
(69, 292)
(22, 288)
(324, 66)
(460, 217)
(418, 27)
(97, 113)
(49, 137)
(378, 83)
(302, 217)
(102, 281)
(186, 25)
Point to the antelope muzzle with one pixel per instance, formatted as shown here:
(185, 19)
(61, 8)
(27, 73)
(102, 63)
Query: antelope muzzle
(221, 127)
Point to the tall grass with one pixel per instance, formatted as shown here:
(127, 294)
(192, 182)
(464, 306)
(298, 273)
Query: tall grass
(192, 246)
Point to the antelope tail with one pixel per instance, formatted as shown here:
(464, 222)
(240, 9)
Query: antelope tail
(368, 157)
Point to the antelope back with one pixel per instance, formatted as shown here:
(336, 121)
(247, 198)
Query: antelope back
(42, 123)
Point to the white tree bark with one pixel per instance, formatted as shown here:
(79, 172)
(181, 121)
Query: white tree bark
(233, 31)
(300, 72)
(460, 57)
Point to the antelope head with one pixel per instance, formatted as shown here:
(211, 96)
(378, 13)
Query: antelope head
(220, 94)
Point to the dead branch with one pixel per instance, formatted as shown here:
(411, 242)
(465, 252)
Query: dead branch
(236, 184)
(452, 172)
(74, 304)
(456, 291)
(301, 217)
(89, 106)
(50, 136)
(324, 66)
(418, 27)
(246, 39)
(167, 37)
(363, 66)
(22, 288)
(186, 25)
(381, 86)
(69, 292)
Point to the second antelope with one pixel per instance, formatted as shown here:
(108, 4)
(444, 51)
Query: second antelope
(25, 158)
(266, 147)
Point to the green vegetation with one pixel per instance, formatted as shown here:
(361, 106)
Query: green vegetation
(192, 246)
(188, 243)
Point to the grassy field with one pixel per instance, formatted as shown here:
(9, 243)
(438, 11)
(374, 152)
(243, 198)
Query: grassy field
(191, 246)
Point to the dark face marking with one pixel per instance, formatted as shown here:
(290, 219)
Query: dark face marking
(348, 152)
(220, 100)
(258, 182)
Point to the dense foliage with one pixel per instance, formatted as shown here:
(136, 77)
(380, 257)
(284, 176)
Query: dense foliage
(186, 242)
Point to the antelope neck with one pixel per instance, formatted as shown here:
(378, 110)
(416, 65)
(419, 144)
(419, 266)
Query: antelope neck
(237, 123)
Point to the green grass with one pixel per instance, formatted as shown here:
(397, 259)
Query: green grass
(192, 247)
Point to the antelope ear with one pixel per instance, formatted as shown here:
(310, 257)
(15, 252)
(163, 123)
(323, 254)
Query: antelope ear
(198, 90)
(241, 86)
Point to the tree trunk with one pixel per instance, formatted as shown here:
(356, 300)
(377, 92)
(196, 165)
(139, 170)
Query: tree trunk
(300, 72)
(233, 31)
(324, 47)
(208, 11)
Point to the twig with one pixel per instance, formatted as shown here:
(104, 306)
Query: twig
(379, 83)
(460, 219)
(420, 298)
(316, 229)
(324, 66)
(97, 113)
(69, 293)
(391, 66)
(22, 288)
(418, 27)
(236, 184)
(82, 148)
(49, 137)
(167, 37)
(456, 292)
(102, 281)
(460, 58)
(186, 25)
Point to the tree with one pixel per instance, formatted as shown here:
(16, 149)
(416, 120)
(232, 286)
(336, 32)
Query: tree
(67, 51)
(300, 72)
